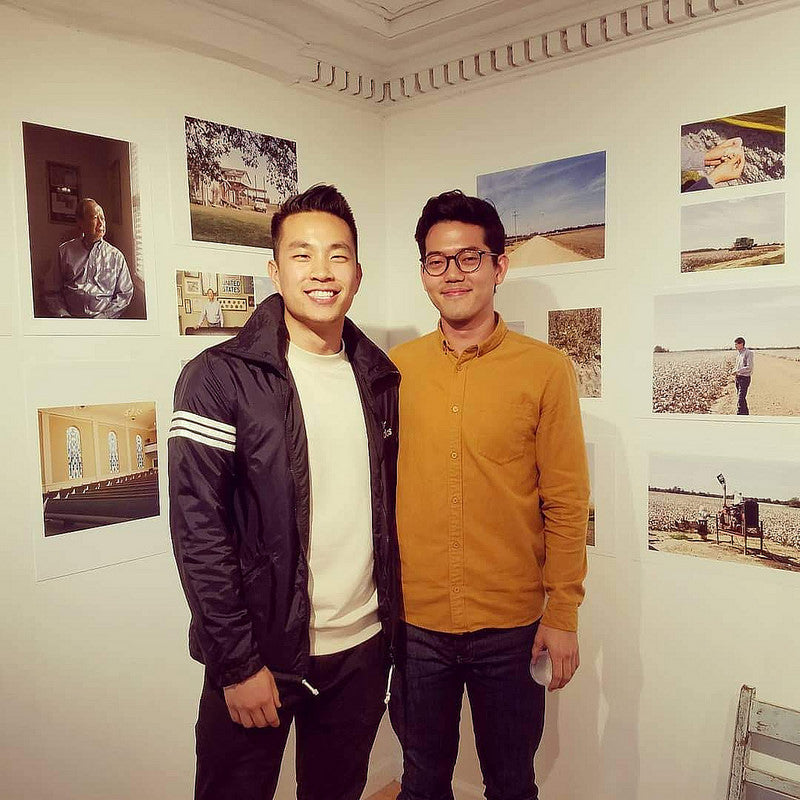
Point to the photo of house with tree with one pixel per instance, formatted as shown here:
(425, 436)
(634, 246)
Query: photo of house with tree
(237, 180)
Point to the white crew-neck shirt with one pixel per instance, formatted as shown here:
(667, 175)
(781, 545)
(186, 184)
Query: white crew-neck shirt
(344, 601)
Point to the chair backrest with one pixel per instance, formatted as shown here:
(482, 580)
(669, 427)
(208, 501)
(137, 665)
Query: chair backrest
(774, 722)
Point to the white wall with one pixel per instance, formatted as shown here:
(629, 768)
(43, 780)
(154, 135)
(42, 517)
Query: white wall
(666, 640)
(99, 694)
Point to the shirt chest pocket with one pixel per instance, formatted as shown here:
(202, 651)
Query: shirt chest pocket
(504, 431)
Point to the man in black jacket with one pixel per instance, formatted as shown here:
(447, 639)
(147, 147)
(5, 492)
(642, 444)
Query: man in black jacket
(282, 458)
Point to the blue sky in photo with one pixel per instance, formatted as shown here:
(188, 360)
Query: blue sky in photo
(556, 194)
(719, 224)
(766, 318)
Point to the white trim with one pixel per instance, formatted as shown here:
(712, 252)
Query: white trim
(196, 437)
(651, 20)
(203, 429)
(211, 423)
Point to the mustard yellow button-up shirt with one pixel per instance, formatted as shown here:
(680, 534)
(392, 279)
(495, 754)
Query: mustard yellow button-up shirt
(493, 486)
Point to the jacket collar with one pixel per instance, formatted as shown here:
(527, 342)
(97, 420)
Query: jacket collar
(264, 339)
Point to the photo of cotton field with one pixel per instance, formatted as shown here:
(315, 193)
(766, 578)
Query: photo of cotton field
(725, 509)
(694, 356)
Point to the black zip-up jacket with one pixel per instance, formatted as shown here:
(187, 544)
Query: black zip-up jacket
(239, 497)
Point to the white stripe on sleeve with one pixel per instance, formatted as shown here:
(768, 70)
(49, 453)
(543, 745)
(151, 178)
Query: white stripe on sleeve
(197, 437)
(188, 416)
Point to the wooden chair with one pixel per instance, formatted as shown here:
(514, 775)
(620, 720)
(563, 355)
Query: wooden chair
(775, 723)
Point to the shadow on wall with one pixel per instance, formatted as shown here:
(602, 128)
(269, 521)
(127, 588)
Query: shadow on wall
(61, 167)
(600, 710)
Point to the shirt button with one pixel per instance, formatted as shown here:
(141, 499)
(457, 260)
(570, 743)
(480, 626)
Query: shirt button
(456, 589)
(458, 367)
(454, 454)
(455, 409)
(455, 545)
(455, 501)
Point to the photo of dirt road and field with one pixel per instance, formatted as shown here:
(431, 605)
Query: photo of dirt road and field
(694, 356)
(702, 506)
(732, 151)
(237, 181)
(553, 213)
(729, 234)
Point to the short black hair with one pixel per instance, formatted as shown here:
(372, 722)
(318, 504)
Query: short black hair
(739, 340)
(320, 197)
(455, 206)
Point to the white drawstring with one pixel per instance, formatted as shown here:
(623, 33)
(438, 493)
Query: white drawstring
(310, 688)
(389, 686)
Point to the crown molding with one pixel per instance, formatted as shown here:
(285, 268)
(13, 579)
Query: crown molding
(314, 45)
(637, 24)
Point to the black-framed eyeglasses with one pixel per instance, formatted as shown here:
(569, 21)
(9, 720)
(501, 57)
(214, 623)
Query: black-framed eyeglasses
(467, 259)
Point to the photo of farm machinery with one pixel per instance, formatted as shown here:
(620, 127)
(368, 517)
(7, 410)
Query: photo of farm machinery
(738, 516)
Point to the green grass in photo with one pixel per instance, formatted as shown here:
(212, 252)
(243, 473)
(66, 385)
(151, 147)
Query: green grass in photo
(231, 226)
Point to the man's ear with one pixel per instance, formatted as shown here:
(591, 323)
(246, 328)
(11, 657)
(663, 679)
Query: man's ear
(274, 275)
(500, 269)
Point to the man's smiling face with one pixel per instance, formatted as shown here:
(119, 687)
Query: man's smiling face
(315, 270)
(462, 298)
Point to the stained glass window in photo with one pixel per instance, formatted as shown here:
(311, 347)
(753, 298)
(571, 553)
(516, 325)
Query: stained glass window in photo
(74, 456)
(113, 452)
(139, 452)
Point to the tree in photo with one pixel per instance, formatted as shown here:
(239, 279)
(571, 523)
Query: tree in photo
(208, 143)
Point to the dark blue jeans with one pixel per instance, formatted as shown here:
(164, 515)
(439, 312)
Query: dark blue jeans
(742, 385)
(334, 733)
(507, 710)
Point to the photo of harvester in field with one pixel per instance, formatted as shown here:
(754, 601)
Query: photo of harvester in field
(237, 181)
(695, 358)
(730, 234)
(577, 332)
(725, 509)
(553, 213)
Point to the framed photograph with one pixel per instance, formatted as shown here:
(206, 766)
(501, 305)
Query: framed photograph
(192, 285)
(101, 170)
(553, 213)
(699, 367)
(577, 332)
(237, 180)
(99, 465)
(732, 151)
(63, 191)
(236, 302)
(731, 234)
(725, 509)
(92, 463)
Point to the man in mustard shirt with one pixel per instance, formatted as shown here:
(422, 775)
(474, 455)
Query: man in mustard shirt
(492, 509)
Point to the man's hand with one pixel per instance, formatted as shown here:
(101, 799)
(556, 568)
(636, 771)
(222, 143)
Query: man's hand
(254, 702)
(563, 649)
(729, 169)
